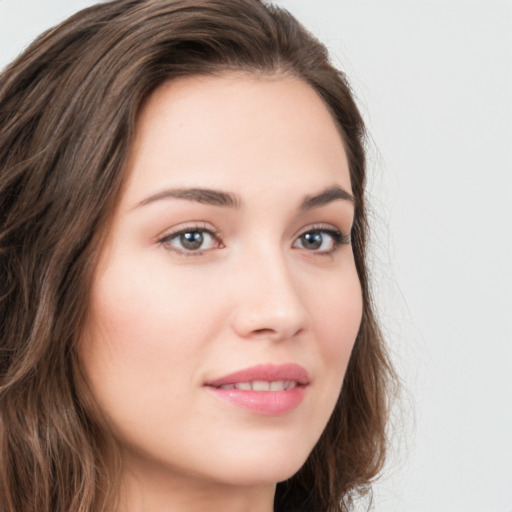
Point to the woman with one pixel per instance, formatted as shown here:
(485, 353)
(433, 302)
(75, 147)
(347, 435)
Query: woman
(185, 315)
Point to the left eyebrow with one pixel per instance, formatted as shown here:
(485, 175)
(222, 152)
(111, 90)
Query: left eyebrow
(328, 195)
(198, 195)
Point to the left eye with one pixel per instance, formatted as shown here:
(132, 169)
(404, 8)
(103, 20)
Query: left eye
(191, 240)
(319, 240)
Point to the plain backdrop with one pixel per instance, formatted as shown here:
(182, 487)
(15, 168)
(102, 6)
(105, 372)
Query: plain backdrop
(433, 79)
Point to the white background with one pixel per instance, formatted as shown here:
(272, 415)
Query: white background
(434, 82)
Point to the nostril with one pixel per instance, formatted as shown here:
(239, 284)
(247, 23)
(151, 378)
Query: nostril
(274, 333)
(264, 332)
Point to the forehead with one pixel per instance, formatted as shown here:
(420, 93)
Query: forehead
(236, 131)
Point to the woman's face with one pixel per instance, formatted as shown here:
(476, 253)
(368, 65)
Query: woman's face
(226, 302)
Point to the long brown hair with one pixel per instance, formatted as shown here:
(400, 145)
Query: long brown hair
(68, 108)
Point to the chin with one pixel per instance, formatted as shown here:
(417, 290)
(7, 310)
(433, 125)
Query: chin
(263, 468)
(261, 474)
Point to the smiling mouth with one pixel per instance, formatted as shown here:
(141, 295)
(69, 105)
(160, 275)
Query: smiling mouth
(264, 377)
(262, 385)
(266, 389)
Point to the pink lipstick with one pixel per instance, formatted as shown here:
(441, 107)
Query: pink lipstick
(265, 389)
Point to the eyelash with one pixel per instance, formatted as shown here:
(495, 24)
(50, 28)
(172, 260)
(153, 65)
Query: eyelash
(338, 239)
(199, 228)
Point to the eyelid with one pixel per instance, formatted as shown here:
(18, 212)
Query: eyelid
(176, 231)
(324, 227)
(339, 237)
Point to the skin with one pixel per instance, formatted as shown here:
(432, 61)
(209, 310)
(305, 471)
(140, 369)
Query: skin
(165, 319)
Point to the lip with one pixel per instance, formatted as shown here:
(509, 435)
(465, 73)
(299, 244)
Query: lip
(269, 372)
(270, 403)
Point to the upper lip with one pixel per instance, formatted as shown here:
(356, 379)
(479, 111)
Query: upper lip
(264, 372)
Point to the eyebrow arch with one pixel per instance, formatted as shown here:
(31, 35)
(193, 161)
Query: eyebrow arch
(198, 195)
(326, 196)
(230, 200)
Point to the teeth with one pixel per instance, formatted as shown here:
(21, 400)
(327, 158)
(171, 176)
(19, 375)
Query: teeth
(262, 385)
(277, 385)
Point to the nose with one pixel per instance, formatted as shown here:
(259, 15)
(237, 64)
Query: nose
(269, 301)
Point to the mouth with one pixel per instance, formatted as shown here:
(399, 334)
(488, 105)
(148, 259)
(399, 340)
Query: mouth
(263, 376)
(270, 390)
(262, 385)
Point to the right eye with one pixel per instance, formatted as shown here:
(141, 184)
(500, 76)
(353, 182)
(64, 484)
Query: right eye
(191, 241)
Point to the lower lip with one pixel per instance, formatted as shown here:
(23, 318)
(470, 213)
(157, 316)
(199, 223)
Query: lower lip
(269, 403)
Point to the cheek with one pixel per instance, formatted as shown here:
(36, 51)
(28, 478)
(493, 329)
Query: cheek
(337, 319)
(141, 350)
(140, 336)
(337, 315)
(138, 306)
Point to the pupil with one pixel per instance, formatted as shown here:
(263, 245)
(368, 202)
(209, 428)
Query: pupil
(312, 240)
(192, 240)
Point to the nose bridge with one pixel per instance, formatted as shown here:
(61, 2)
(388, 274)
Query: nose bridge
(270, 302)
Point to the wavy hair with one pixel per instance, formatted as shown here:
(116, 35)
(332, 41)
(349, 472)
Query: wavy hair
(68, 109)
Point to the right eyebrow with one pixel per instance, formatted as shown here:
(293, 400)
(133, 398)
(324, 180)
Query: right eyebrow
(325, 197)
(199, 195)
